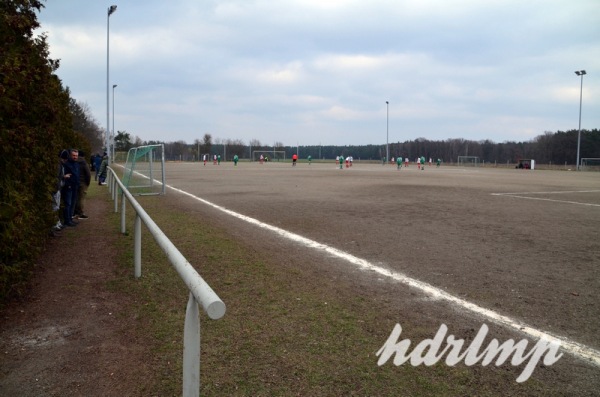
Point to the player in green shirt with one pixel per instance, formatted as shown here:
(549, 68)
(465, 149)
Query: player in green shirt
(399, 162)
(235, 160)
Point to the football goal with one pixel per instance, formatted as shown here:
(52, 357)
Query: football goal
(468, 161)
(144, 171)
(272, 155)
(590, 164)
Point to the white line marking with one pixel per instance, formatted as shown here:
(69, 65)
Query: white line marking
(577, 349)
(519, 195)
(557, 192)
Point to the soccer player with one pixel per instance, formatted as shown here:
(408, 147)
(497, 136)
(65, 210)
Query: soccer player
(309, 159)
(399, 162)
(235, 160)
(294, 159)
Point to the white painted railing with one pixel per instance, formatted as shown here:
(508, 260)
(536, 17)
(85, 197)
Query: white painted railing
(200, 292)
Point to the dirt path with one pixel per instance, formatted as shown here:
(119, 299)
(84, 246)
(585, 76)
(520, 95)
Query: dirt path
(70, 336)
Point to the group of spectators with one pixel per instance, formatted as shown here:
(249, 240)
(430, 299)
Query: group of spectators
(72, 182)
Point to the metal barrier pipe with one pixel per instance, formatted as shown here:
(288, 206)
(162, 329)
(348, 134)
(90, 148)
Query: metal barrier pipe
(200, 292)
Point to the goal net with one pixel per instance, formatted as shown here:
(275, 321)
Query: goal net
(590, 164)
(144, 171)
(272, 155)
(468, 161)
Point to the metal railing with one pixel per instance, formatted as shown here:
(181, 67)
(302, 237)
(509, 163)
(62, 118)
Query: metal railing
(200, 292)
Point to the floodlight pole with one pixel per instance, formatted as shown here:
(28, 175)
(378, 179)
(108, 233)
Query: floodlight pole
(112, 140)
(111, 9)
(579, 73)
(387, 135)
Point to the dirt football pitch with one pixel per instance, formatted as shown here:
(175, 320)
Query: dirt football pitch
(522, 244)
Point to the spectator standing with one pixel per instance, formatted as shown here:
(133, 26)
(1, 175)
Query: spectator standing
(103, 170)
(97, 163)
(85, 177)
(69, 190)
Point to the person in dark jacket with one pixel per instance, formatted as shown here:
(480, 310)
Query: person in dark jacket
(69, 191)
(97, 163)
(85, 177)
(103, 170)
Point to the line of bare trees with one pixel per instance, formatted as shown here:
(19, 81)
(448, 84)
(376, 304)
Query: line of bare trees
(549, 148)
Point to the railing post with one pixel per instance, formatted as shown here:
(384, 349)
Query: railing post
(115, 197)
(137, 247)
(123, 205)
(191, 350)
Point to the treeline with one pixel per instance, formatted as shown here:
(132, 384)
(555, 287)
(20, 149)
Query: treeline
(549, 148)
(37, 118)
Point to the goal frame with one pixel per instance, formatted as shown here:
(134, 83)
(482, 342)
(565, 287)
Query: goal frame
(585, 166)
(474, 163)
(267, 152)
(150, 157)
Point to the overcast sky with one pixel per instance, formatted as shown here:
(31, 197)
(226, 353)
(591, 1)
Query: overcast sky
(312, 72)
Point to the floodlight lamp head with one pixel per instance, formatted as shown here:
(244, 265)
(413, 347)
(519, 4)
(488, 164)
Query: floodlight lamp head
(580, 72)
(112, 9)
(114, 85)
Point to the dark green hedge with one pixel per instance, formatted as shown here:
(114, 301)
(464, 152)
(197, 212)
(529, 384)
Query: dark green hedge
(35, 123)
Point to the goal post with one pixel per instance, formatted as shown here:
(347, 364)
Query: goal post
(144, 171)
(272, 155)
(590, 164)
(468, 161)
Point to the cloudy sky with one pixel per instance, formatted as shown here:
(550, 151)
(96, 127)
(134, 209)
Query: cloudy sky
(312, 72)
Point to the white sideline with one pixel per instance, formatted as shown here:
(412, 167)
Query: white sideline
(577, 349)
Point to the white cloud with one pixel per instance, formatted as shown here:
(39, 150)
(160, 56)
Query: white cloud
(324, 69)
